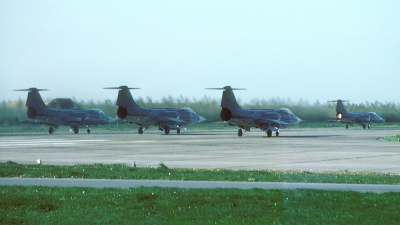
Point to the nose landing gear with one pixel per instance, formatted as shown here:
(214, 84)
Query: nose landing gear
(240, 132)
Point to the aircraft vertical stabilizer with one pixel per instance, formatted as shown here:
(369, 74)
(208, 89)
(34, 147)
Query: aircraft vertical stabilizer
(125, 98)
(34, 99)
(340, 107)
(228, 97)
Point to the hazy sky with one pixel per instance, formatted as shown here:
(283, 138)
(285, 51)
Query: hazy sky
(310, 50)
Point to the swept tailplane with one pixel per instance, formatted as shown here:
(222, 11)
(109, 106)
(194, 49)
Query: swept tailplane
(228, 97)
(34, 99)
(339, 106)
(125, 98)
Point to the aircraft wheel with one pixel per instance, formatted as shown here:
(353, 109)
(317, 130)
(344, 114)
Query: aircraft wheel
(166, 130)
(88, 131)
(269, 133)
(347, 126)
(240, 132)
(277, 133)
(51, 130)
(364, 126)
(178, 131)
(140, 130)
(76, 130)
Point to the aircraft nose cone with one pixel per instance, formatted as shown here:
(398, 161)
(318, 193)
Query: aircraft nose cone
(201, 119)
(110, 119)
(298, 120)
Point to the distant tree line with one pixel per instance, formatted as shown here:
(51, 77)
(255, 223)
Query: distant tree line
(209, 108)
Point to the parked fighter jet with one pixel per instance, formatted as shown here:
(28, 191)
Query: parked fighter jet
(267, 120)
(54, 117)
(165, 118)
(363, 119)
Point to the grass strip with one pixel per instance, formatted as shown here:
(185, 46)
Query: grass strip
(392, 138)
(51, 205)
(162, 172)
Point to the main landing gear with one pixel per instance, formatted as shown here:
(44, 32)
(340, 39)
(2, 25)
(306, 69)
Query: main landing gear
(76, 129)
(269, 133)
(51, 130)
(167, 129)
(140, 130)
(364, 126)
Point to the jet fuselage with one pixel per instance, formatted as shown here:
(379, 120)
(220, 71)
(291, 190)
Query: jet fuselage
(260, 118)
(174, 118)
(69, 117)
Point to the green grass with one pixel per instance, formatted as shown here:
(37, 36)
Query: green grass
(121, 171)
(393, 138)
(153, 205)
(50, 205)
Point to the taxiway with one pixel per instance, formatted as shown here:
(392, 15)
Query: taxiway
(299, 149)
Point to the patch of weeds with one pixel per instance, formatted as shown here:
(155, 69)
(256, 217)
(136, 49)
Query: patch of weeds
(162, 166)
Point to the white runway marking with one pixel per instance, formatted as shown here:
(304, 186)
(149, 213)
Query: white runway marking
(43, 142)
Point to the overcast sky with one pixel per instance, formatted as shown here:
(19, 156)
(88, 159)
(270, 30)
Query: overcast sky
(310, 50)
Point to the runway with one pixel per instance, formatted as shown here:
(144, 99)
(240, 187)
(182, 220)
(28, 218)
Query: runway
(306, 149)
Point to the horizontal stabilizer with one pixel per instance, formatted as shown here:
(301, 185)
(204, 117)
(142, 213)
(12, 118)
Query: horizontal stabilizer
(339, 100)
(121, 88)
(125, 98)
(31, 89)
(34, 99)
(339, 106)
(228, 98)
(226, 88)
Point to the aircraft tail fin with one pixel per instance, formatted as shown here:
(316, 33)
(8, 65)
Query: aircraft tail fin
(125, 98)
(34, 99)
(339, 106)
(228, 97)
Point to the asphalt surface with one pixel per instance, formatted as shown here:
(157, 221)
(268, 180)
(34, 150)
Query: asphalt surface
(354, 149)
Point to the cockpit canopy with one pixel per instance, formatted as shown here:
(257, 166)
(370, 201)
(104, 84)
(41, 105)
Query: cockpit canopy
(188, 109)
(96, 110)
(285, 110)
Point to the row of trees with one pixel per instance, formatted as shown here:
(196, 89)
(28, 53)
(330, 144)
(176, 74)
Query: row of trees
(209, 108)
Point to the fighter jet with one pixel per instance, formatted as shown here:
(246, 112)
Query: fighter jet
(360, 118)
(53, 117)
(165, 118)
(267, 120)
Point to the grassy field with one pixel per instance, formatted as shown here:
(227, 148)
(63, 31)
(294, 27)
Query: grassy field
(52, 205)
(49, 205)
(162, 172)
